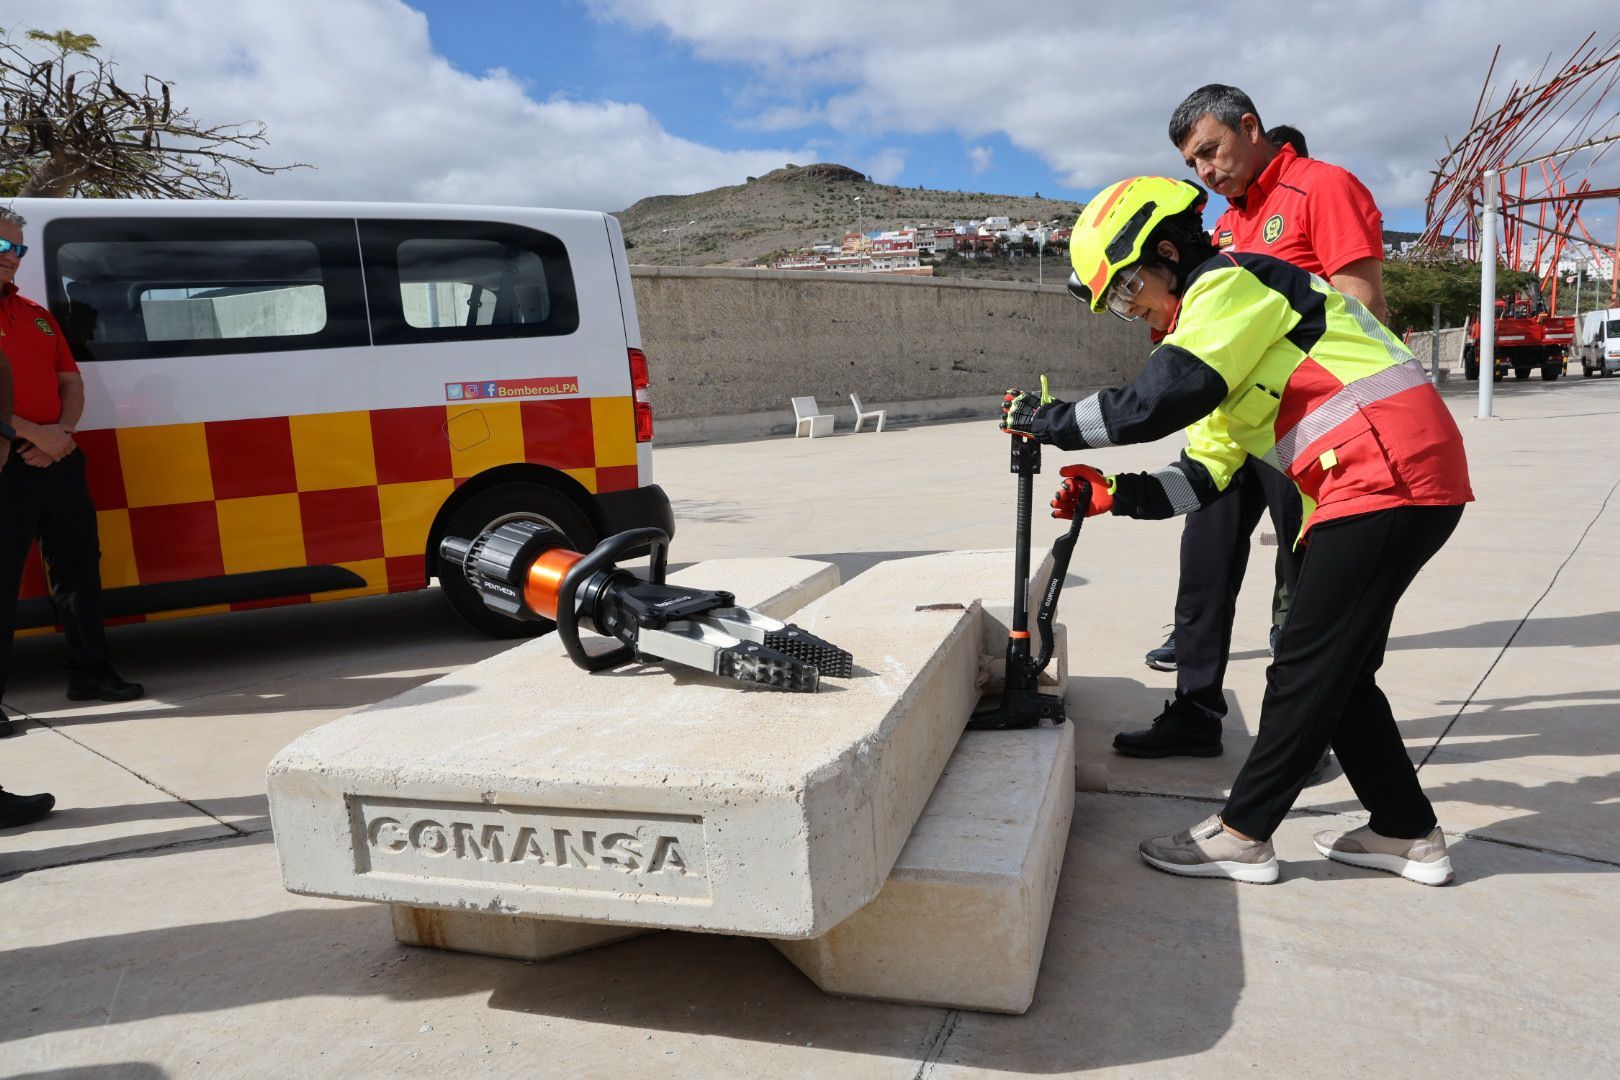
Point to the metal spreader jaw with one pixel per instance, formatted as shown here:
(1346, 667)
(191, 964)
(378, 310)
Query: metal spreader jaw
(524, 570)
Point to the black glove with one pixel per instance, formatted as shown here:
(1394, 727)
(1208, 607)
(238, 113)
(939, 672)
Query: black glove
(1022, 412)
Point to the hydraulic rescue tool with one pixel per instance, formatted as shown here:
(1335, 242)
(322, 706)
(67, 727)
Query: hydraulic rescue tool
(524, 570)
(1022, 705)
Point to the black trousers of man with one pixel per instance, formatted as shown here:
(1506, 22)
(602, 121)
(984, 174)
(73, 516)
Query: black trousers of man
(52, 504)
(1214, 556)
(1321, 690)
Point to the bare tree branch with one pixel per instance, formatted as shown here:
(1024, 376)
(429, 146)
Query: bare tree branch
(70, 129)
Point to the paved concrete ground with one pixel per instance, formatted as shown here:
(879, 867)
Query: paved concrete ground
(146, 934)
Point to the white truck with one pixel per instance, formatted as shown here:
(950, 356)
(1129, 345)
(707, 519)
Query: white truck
(1600, 342)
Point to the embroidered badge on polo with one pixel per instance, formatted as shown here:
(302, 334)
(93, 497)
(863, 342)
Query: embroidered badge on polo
(44, 326)
(1224, 239)
(1274, 228)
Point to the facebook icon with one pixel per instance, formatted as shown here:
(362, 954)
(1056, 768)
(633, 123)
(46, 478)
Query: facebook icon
(489, 389)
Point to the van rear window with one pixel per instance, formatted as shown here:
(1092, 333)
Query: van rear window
(465, 280)
(132, 288)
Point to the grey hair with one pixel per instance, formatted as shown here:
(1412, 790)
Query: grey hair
(1225, 103)
(9, 216)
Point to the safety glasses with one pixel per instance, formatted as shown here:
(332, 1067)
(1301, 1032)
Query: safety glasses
(7, 246)
(1122, 294)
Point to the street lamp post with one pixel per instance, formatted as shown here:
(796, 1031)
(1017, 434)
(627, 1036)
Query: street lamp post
(678, 230)
(678, 234)
(1487, 290)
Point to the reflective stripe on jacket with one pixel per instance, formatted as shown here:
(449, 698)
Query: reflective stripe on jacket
(1267, 360)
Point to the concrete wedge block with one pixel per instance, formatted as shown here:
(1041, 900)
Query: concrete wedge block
(963, 918)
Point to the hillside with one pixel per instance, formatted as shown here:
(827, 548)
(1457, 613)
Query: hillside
(798, 206)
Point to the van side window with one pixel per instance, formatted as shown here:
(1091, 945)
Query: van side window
(135, 288)
(465, 281)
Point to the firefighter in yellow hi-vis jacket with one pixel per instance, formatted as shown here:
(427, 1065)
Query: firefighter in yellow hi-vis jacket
(1260, 359)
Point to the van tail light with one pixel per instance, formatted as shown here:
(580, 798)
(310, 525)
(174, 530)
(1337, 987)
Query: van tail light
(638, 384)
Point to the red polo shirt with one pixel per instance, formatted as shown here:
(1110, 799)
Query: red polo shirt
(38, 352)
(1304, 211)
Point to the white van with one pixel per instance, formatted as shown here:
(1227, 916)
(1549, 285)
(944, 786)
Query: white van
(1600, 342)
(292, 402)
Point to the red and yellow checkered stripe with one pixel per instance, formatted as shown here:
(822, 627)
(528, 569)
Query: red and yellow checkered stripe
(353, 489)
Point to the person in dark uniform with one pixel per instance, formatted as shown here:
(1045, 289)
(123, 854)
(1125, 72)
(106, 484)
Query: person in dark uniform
(43, 492)
(15, 810)
(1322, 219)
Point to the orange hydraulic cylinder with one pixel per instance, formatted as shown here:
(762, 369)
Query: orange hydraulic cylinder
(545, 580)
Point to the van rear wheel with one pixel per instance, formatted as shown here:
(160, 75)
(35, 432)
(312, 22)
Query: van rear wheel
(497, 506)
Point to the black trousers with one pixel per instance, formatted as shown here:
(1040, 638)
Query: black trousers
(1320, 689)
(52, 504)
(1214, 556)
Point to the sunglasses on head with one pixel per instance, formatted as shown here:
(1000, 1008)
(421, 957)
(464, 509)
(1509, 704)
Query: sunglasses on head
(7, 245)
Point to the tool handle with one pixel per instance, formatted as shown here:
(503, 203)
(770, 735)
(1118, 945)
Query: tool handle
(601, 557)
(1062, 551)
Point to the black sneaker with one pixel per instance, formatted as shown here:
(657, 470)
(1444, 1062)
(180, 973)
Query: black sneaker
(103, 684)
(18, 810)
(1173, 734)
(1164, 657)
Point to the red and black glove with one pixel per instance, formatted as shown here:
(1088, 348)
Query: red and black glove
(1067, 498)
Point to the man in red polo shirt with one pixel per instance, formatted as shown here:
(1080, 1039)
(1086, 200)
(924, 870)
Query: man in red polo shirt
(1322, 219)
(14, 809)
(43, 494)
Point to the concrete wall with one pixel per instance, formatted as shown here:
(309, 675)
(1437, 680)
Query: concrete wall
(297, 309)
(1451, 345)
(729, 348)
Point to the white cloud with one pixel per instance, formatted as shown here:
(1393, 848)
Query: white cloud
(980, 157)
(887, 165)
(1376, 86)
(355, 88)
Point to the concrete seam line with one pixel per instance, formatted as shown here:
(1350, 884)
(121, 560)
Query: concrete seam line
(175, 845)
(936, 1045)
(143, 779)
(1508, 644)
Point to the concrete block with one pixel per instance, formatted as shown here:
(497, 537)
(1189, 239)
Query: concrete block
(651, 797)
(962, 920)
(515, 936)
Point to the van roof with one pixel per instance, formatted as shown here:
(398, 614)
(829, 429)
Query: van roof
(38, 209)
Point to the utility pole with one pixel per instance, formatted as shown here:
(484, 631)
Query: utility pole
(1434, 348)
(1487, 290)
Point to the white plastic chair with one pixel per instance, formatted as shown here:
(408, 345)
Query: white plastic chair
(807, 413)
(862, 414)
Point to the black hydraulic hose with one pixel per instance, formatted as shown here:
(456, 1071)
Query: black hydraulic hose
(601, 558)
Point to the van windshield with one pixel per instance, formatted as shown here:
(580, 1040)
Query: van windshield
(1614, 328)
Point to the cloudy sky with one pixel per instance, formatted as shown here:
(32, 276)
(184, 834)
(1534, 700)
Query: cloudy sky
(597, 103)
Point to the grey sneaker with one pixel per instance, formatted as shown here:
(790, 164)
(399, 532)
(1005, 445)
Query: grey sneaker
(1163, 658)
(1423, 860)
(1208, 850)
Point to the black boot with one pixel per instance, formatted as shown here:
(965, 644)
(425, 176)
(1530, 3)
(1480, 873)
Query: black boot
(102, 683)
(18, 810)
(1180, 730)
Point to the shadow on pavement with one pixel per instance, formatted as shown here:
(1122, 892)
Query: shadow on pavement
(118, 1070)
(204, 837)
(1118, 983)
